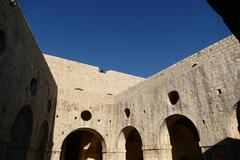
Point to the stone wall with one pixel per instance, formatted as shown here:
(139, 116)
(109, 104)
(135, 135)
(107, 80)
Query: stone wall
(82, 87)
(208, 87)
(190, 110)
(28, 90)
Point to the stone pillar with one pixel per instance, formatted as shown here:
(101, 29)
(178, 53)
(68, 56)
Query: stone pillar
(54, 155)
(150, 154)
(121, 155)
(104, 156)
(110, 155)
(165, 153)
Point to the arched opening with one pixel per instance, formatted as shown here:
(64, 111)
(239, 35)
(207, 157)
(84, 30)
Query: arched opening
(131, 138)
(33, 86)
(184, 138)
(83, 144)
(21, 133)
(134, 146)
(238, 115)
(42, 141)
(2, 42)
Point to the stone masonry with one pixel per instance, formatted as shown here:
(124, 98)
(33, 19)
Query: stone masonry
(56, 109)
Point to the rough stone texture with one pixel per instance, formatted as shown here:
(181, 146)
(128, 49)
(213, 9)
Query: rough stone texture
(20, 61)
(123, 107)
(198, 79)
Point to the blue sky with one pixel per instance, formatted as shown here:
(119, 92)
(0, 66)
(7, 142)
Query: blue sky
(139, 37)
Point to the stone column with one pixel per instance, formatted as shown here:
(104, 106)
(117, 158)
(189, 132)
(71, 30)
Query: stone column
(110, 155)
(104, 156)
(54, 155)
(165, 153)
(150, 154)
(121, 155)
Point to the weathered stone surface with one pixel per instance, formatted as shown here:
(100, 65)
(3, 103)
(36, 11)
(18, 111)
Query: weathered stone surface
(188, 111)
(21, 61)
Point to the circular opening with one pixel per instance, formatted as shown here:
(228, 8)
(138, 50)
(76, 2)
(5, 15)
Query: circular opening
(2, 42)
(173, 97)
(33, 86)
(127, 112)
(86, 115)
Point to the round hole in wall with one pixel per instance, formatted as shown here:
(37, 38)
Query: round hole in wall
(127, 112)
(33, 86)
(2, 42)
(75, 118)
(173, 97)
(86, 115)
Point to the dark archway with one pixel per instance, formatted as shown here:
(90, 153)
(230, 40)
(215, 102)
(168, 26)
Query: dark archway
(21, 133)
(238, 114)
(42, 141)
(130, 140)
(184, 138)
(83, 144)
(134, 146)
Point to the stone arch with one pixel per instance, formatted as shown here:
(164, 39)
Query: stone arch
(83, 143)
(42, 141)
(233, 123)
(20, 134)
(130, 142)
(181, 133)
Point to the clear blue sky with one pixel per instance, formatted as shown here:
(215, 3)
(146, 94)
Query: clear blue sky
(139, 37)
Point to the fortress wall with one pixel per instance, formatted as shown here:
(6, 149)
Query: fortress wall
(208, 93)
(207, 84)
(82, 87)
(21, 63)
(72, 76)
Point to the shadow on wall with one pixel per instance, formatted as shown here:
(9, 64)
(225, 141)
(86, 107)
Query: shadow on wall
(28, 90)
(184, 139)
(227, 149)
(83, 143)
